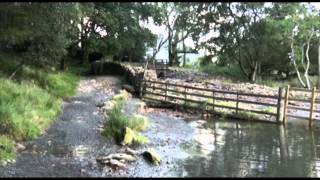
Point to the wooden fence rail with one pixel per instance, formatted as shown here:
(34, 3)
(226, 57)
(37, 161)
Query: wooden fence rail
(277, 107)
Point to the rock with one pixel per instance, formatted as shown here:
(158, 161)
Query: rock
(141, 106)
(116, 163)
(103, 159)
(128, 136)
(152, 156)
(123, 156)
(129, 88)
(100, 104)
(20, 147)
(118, 156)
(131, 151)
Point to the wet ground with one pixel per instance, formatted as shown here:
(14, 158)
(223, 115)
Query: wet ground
(188, 146)
(69, 148)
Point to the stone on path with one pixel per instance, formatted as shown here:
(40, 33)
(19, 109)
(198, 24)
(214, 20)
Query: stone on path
(152, 156)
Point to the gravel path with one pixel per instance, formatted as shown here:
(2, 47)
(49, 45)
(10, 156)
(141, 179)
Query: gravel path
(69, 147)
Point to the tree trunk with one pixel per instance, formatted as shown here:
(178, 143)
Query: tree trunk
(294, 60)
(319, 66)
(174, 54)
(253, 76)
(85, 57)
(130, 57)
(306, 74)
(170, 48)
(62, 64)
(184, 53)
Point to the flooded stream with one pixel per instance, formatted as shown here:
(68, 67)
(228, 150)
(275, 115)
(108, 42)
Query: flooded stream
(244, 149)
(188, 147)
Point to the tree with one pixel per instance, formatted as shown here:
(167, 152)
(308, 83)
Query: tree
(255, 36)
(306, 25)
(180, 20)
(124, 35)
(42, 39)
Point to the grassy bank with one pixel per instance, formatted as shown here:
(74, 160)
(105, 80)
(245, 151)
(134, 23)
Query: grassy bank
(30, 101)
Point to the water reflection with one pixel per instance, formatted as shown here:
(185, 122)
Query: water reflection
(244, 149)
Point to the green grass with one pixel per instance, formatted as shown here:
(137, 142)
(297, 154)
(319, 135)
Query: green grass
(247, 115)
(270, 110)
(25, 109)
(117, 120)
(60, 84)
(7, 149)
(31, 101)
(232, 72)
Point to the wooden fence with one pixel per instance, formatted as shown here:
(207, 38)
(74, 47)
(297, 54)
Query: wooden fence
(271, 108)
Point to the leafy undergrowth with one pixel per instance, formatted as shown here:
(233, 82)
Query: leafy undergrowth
(30, 101)
(117, 120)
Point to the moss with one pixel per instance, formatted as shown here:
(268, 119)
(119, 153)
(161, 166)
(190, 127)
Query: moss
(128, 136)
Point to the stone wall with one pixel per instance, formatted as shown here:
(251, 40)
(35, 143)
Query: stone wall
(132, 72)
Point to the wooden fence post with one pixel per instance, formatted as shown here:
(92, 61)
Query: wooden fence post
(279, 106)
(213, 100)
(286, 105)
(312, 106)
(185, 96)
(165, 97)
(237, 103)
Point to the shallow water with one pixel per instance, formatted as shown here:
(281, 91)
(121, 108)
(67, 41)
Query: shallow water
(244, 149)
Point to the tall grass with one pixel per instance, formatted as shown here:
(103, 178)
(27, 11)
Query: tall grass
(25, 109)
(117, 120)
(7, 149)
(30, 102)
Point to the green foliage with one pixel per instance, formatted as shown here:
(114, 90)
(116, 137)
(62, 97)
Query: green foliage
(226, 103)
(140, 139)
(117, 120)
(43, 39)
(60, 84)
(139, 122)
(121, 97)
(270, 110)
(230, 71)
(30, 102)
(247, 115)
(25, 110)
(6, 149)
(257, 37)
